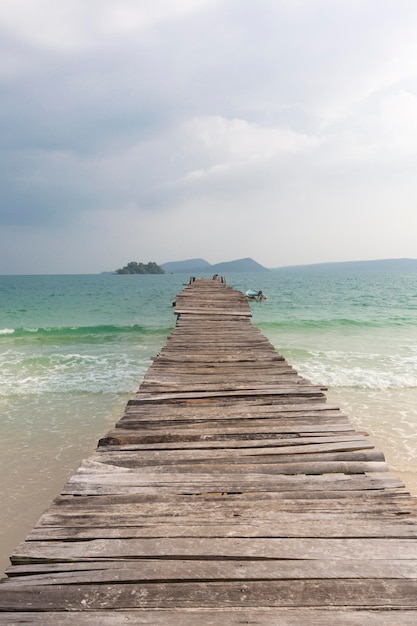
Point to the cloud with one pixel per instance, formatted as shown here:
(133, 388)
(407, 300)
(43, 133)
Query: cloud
(73, 25)
(399, 120)
(218, 138)
(223, 145)
(297, 115)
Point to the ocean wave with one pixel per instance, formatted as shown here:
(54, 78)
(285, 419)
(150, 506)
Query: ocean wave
(357, 370)
(359, 378)
(82, 331)
(70, 373)
(342, 323)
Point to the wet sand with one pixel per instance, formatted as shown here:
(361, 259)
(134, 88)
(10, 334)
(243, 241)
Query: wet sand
(29, 481)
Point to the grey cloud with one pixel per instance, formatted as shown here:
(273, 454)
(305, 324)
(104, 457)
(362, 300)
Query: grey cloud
(123, 121)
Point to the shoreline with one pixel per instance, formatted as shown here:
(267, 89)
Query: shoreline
(48, 458)
(410, 481)
(24, 508)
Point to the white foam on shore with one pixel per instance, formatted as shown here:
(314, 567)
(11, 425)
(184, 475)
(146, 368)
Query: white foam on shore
(370, 370)
(33, 373)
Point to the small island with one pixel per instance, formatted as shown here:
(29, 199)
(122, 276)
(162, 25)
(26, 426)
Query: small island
(133, 267)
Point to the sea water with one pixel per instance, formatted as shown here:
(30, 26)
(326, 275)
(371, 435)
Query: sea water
(73, 349)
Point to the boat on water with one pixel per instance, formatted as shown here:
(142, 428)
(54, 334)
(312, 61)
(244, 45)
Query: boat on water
(253, 294)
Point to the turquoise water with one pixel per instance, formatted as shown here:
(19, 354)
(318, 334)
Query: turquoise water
(92, 334)
(74, 348)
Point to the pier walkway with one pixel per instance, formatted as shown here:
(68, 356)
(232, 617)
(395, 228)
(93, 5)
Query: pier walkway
(230, 492)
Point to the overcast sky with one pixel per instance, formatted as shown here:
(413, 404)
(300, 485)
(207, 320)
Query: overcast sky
(161, 130)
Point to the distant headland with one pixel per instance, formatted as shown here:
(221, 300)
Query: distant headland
(378, 265)
(191, 266)
(194, 266)
(200, 266)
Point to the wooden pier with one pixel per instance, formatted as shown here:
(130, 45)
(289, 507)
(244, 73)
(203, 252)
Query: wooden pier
(230, 492)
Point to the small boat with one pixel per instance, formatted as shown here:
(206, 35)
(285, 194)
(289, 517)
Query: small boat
(253, 294)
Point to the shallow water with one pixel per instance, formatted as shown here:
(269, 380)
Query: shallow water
(73, 349)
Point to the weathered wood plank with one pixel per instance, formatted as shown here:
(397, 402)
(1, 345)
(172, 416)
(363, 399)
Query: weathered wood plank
(261, 415)
(265, 505)
(223, 470)
(300, 390)
(159, 571)
(308, 427)
(253, 446)
(215, 616)
(106, 484)
(118, 527)
(126, 458)
(219, 548)
(369, 593)
(213, 311)
(233, 438)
